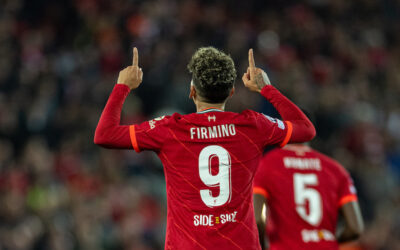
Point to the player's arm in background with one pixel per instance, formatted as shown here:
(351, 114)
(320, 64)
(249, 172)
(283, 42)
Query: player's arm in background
(349, 210)
(109, 133)
(259, 201)
(353, 222)
(261, 194)
(300, 128)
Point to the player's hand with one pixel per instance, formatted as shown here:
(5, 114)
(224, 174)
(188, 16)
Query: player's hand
(255, 78)
(131, 76)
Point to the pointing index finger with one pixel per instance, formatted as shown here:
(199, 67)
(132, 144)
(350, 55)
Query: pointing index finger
(135, 61)
(252, 64)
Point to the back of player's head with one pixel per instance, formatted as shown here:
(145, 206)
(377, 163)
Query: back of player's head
(213, 74)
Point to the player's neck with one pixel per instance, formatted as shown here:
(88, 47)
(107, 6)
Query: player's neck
(298, 146)
(204, 105)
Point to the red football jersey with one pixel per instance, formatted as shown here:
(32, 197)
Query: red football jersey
(210, 159)
(304, 191)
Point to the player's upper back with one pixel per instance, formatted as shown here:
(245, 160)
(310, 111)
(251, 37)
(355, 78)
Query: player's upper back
(204, 141)
(216, 126)
(208, 127)
(209, 140)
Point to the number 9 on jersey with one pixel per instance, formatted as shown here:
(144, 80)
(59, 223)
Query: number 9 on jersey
(222, 179)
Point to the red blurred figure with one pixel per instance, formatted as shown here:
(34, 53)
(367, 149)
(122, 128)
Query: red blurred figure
(305, 192)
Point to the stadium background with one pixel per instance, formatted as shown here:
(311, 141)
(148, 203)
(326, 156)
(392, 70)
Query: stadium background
(59, 61)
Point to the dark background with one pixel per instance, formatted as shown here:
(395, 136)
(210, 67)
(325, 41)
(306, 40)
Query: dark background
(59, 60)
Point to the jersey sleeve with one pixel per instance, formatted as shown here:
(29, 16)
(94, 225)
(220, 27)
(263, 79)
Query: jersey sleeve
(347, 191)
(300, 127)
(149, 135)
(261, 179)
(109, 133)
(273, 131)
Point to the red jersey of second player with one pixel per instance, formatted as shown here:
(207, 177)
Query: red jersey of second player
(304, 191)
(210, 159)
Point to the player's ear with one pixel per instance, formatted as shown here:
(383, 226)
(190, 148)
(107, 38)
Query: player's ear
(232, 92)
(192, 92)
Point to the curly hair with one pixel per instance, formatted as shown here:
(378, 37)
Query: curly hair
(213, 74)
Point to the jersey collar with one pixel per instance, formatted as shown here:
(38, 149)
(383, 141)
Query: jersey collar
(298, 148)
(211, 109)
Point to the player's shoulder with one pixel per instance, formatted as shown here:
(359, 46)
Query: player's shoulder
(263, 119)
(324, 157)
(254, 117)
(248, 113)
(249, 116)
(181, 119)
(160, 121)
(331, 163)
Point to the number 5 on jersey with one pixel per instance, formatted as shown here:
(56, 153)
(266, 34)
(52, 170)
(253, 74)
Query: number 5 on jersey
(303, 193)
(222, 179)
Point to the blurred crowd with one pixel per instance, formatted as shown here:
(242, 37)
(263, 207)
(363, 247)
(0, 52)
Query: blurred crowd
(59, 60)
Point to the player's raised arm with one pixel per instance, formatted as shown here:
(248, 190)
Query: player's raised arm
(109, 133)
(300, 129)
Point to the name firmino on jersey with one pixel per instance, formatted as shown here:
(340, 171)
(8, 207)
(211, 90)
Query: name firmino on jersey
(217, 131)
